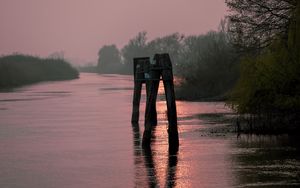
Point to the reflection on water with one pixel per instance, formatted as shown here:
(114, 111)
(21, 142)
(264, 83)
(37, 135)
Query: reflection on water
(268, 161)
(77, 134)
(145, 156)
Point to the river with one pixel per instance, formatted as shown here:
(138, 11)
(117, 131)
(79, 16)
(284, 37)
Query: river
(78, 133)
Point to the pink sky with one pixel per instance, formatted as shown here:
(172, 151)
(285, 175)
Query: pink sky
(81, 27)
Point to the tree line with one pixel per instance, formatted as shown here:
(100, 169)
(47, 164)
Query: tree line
(17, 70)
(206, 65)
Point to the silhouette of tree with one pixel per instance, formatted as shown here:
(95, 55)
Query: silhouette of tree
(109, 60)
(171, 44)
(135, 48)
(208, 66)
(255, 23)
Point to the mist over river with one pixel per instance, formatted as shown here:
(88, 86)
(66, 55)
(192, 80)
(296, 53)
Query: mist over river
(77, 133)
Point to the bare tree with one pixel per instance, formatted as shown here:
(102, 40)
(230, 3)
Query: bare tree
(255, 23)
(136, 47)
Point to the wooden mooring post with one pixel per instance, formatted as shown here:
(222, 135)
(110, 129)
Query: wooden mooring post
(150, 73)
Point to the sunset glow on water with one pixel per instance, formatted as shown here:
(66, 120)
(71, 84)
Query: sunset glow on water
(78, 134)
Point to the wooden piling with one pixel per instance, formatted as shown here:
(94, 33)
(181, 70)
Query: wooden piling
(150, 118)
(151, 72)
(139, 79)
(168, 80)
(153, 112)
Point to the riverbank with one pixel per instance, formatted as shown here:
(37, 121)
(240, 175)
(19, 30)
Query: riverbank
(224, 124)
(240, 123)
(18, 70)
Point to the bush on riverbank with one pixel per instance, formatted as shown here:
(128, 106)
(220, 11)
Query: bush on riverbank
(208, 67)
(268, 91)
(17, 70)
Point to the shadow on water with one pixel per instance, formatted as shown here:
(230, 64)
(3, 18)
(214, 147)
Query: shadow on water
(145, 164)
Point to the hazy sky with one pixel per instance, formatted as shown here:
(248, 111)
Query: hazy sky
(81, 27)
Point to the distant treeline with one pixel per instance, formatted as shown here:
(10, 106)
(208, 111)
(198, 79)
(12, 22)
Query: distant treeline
(88, 68)
(17, 70)
(206, 65)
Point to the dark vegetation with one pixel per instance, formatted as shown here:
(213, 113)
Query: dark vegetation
(113, 60)
(267, 94)
(17, 70)
(206, 65)
(252, 61)
(109, 61)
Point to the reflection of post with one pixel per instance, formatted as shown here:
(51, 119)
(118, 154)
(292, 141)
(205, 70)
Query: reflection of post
(146, 154)
(172, 168)
(136, 137)
(141, 156)
(138, 157)
(152, 177)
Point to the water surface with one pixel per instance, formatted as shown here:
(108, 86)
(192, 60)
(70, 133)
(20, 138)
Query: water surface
(78, 134)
